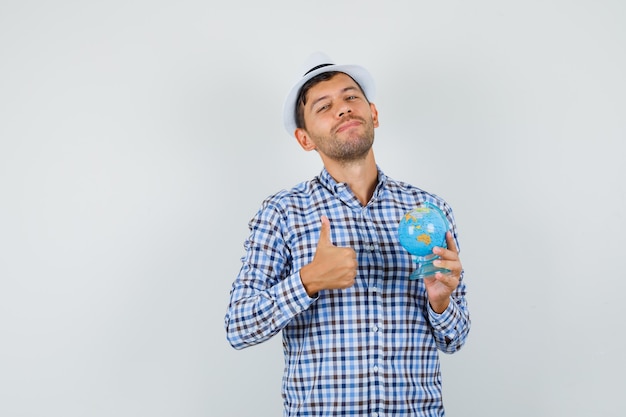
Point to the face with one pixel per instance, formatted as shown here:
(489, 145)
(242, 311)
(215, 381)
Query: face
(339, 121)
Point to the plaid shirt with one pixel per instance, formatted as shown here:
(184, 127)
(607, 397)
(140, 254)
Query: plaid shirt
(368, 350)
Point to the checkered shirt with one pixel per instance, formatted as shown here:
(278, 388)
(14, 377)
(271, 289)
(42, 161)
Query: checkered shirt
(368, 350)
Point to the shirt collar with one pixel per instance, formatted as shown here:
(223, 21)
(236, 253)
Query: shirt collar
(339, 189)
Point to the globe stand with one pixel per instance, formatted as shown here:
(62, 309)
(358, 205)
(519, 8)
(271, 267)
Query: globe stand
(425, 267)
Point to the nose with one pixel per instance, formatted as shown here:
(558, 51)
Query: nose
(345, 110)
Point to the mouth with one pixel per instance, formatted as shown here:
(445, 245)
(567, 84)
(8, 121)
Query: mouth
(348, 125)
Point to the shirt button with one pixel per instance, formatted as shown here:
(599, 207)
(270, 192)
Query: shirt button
(375, 329)
(375, 369)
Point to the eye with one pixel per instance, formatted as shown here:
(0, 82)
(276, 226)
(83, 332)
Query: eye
(322, 108)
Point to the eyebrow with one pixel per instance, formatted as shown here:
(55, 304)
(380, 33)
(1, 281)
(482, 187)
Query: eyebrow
(313, 103)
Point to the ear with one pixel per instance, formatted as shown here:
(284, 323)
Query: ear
(304, 140)
(374, 114)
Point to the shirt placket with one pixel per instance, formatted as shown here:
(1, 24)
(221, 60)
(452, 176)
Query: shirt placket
(372, 257)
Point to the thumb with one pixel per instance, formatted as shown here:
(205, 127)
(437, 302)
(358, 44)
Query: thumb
(325, 233)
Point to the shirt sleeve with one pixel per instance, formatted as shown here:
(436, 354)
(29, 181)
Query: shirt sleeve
(452, 326)
(266, 294)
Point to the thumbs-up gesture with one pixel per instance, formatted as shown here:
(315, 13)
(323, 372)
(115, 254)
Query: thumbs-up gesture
(332, 267)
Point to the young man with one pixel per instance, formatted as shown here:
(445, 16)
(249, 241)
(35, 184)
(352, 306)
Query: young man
(323, 264)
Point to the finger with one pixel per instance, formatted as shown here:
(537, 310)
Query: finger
(451, 242)
(447, 279)
(324, 239)
(451, 252)
(453, 266)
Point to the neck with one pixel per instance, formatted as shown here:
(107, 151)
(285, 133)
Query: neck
(361, 175)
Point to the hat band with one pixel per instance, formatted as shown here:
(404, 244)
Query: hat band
(317, 67)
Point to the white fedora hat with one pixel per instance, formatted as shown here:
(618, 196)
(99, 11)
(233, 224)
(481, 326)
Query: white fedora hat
(316, 64)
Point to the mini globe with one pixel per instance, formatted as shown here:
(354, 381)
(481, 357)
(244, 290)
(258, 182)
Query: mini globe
(419, 231)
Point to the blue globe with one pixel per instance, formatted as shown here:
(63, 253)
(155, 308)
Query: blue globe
(423, 228)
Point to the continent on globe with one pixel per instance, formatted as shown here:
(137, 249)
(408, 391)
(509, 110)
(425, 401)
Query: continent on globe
(424, 238)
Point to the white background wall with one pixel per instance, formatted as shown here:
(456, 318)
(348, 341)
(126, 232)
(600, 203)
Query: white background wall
(138, 137)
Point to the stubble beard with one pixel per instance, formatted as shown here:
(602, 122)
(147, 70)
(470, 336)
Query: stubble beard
(352, 148)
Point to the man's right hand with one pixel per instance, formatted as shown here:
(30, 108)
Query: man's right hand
(332, 267)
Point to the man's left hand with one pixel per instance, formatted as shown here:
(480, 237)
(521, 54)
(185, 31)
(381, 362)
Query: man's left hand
(440, 286)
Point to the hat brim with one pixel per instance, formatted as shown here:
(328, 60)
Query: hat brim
(358, 74)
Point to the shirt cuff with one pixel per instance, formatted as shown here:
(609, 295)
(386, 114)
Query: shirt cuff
(295, 295)
(445, 320)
